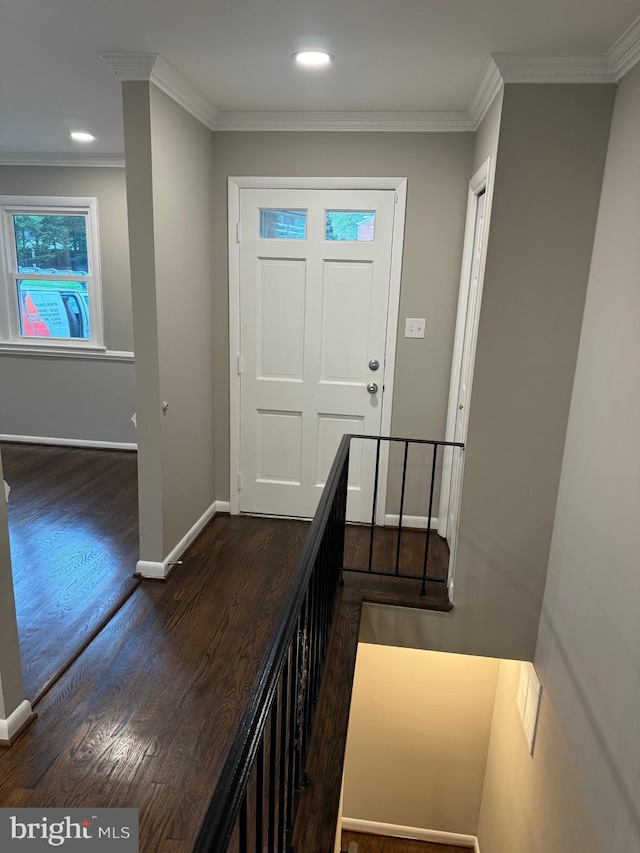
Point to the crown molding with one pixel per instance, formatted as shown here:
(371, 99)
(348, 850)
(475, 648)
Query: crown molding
(489, 85)
(131, 66)
(22, 158)
(500, 68)
(153, 68)
(626, 51)
(516, 68)
(343, 121)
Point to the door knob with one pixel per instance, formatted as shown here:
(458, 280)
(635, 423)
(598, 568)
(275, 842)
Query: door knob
(374, 364)
(372, 388)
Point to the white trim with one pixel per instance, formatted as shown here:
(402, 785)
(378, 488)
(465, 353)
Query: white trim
(478, 182)
(86, 206)
(60, 352)
(407, 122)
(68, 442)
(482, 180)
(41, 158)
(233, 254)
(519, 68)
(152, 569)
(221, 506)
(489, 85)
(252, 182)
(235, 184)
(374, 827)
(14, 722)
(393, 314)
(417, 522)
(626, 51)
(155, 69)
(500, 68)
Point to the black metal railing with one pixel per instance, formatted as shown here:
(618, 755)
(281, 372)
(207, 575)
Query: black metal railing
(256, 798)
(255, 801)
(396, 570)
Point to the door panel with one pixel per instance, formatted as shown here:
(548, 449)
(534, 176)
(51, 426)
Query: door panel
(281, 318)
(346, 318)
(331, 428)
(279, 436)
(313, 312)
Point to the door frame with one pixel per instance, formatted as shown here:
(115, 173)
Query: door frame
(481, 181)
(234, 185)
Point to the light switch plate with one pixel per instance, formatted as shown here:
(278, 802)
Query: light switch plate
(414, 327)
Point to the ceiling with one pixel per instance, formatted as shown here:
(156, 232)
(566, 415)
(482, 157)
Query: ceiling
(416, 57)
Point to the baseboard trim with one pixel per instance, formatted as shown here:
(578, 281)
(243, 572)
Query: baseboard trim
(68, 442)
(15, 723)
(223, 507)
(159, 570)
(417, 522)
(414, 832)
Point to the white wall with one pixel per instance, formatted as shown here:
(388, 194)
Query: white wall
(418, 738)
(77, 398)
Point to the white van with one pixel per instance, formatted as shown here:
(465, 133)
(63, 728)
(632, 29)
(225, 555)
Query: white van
(54, 309)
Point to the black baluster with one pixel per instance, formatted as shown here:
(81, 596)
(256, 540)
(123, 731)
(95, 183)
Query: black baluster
(423, 590)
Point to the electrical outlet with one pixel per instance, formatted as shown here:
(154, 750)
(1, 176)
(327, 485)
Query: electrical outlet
(414, 327)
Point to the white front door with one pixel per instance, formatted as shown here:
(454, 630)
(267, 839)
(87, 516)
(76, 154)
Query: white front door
(314, 290)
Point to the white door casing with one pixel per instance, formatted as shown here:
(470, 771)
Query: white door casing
(307, 318)
(462, 367)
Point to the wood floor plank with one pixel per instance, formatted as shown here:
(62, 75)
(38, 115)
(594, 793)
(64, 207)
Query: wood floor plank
(74, 545)
(146, 715)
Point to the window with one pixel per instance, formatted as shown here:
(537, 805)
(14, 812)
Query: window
(355, 226)
(50, 288)
(277, 224)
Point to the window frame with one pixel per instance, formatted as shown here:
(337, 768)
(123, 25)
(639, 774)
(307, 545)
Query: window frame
(11, 339)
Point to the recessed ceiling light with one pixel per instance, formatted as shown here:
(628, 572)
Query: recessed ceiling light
(81, 136)
(312, 57)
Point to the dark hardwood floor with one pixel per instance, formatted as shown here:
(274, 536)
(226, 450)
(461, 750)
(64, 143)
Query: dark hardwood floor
(73, 527)
(391, 589)
(385, 844)
(144, 716)
(385, 550)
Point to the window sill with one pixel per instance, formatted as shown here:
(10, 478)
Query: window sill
(86, 353)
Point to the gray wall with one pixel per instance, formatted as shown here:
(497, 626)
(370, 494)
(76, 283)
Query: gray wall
(77, 398)
(588, 652)
(552, 149)
(488, 133)
(11, 691)
(437, 166)
(169, 194)
(532, 804)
